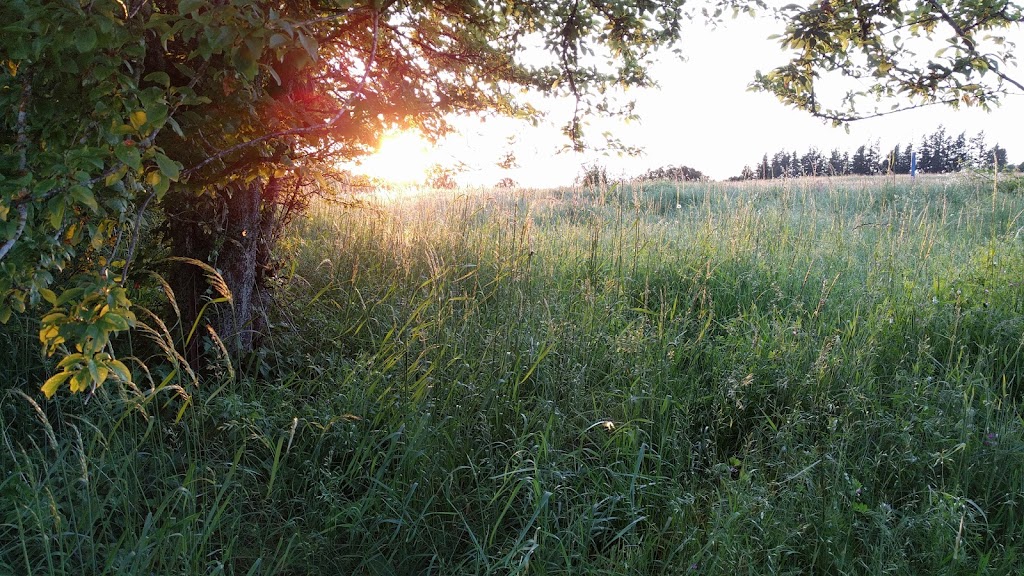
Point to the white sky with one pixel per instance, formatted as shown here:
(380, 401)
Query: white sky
(702, 116)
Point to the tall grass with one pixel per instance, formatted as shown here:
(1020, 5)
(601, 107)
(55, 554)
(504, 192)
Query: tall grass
(805, 376)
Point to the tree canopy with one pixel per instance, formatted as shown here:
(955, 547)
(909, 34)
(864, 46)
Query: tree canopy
(900, 55)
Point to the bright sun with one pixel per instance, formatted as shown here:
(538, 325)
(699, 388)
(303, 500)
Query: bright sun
(401, 158)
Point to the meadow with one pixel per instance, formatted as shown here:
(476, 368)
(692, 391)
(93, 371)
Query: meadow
(811, 376)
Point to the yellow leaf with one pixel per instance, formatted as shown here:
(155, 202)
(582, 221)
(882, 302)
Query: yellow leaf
(54, 382)
(48, 295)
(153, 178)
(138, 118)
(99, 372)
(120, 370)
(49, 333)
(112, 178)
(80, 382)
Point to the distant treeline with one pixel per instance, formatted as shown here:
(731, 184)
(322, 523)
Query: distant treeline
(597, 174)
(938, 152)
(677, 173)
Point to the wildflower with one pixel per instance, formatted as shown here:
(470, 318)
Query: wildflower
(991, 439)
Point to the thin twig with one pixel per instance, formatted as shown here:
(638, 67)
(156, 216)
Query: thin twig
(135, 237)
(854, 118)
(21, 143)
(969, 42)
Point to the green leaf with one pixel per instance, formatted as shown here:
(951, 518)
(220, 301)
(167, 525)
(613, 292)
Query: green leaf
(55, 208)
(168, 167)
(80, 381)
(175, 127)
(278, 40)
(158, 78)
(245, 63)
(310, 44)
(162, 187)
(157, 113)
(85, 39)
(83, 195)
(70, 360)
(22, 181)
(114, 322)
(44, 186)
(188, 6)
(70, 294)
(130, 155)
(98, 371)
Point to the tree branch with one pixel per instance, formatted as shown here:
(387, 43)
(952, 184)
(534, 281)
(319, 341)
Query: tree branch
(965, 35)
(135, 238)
(835, 117)
(21, 143)
(306, 129)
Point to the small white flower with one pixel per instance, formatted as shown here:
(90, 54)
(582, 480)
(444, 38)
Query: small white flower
(935, 299)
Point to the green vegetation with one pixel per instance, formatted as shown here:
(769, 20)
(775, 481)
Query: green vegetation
(796, 376)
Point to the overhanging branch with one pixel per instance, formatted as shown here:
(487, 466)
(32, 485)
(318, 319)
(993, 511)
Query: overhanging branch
(305, 129)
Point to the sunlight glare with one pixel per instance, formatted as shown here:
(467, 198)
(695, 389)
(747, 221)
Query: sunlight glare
(401, 158)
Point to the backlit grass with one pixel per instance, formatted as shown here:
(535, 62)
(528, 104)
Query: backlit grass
(806, 376)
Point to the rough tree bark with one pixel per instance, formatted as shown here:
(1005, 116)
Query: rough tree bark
(234, 235)
(237, 261)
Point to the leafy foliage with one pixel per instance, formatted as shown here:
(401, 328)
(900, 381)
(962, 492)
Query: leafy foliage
(903, 54)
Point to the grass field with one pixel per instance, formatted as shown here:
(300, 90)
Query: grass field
(816, 376)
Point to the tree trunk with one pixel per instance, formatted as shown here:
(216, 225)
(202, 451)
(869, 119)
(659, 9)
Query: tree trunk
(237, 261)
(187, 229)
(233, 235)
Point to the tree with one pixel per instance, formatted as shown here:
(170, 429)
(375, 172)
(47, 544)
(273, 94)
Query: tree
(813, 163)
(860, 164)
(894, 55)
(958, 154)
(906, 159)
(214, 122)
(996, 158)
(978, 151)
(838, 163)
(674, 173)
(764, 169)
